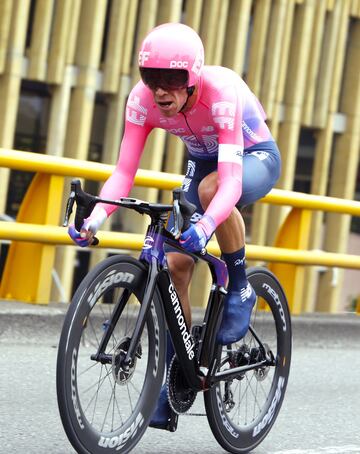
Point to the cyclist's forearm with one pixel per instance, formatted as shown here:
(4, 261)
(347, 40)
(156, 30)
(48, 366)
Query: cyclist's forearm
(118, 185)
(121, 181)
(228, 192)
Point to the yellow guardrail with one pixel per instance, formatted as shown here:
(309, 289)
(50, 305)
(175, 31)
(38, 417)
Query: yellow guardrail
(48, 234)
(35, 233)
(33, 162)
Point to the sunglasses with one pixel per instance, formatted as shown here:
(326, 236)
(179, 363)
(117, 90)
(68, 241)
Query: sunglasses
(167, 79)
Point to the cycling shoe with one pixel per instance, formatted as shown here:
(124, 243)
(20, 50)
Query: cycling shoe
(162, 414)
(236, 315)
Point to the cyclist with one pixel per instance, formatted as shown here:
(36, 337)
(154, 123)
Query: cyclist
(233, 162)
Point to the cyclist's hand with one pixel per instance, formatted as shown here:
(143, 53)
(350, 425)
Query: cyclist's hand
(194, 238)
(83, 238)
(89, 228)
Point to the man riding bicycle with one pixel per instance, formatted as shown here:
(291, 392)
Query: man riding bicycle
(233, 161)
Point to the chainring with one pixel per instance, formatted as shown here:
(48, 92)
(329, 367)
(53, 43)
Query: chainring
(180, 396)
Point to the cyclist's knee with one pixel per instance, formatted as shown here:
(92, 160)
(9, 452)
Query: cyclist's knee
(181, 268)
(207, 189)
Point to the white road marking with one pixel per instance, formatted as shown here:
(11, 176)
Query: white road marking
(328, 450)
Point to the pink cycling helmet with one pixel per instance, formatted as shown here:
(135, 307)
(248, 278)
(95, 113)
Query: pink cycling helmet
(173, 46)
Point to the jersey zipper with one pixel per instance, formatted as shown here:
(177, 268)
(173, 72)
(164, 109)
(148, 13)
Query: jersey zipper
(200, 143)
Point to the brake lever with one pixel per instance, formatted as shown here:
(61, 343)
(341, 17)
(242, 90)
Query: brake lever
(69, 208)
(183, 210)
(85, 204)
(178, 219)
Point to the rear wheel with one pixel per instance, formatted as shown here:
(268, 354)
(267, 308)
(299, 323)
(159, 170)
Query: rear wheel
(241, 411)
(102, 403)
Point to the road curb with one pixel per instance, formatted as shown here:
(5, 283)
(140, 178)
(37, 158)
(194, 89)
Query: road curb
(57, 309)
(29, 322)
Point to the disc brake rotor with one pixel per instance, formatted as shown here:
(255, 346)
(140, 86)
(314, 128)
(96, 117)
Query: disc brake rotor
(121, 374)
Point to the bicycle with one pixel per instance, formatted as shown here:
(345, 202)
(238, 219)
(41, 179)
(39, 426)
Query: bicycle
(111, 356)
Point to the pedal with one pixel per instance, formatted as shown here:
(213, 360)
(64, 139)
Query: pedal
(173, 422)
(196, 332)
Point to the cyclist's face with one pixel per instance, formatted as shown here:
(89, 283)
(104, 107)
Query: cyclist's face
(168, 87)
(169, 102)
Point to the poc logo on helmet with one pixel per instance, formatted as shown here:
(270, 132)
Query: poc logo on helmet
(179, 64)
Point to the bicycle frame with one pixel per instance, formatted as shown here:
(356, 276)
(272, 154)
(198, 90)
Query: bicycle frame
(159, 277)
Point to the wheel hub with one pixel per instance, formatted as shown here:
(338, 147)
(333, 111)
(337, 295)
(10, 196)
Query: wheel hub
(121, 373)
(245, 356)
(262, 372)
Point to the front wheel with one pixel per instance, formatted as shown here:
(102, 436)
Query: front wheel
(242, 410)
(104, 406)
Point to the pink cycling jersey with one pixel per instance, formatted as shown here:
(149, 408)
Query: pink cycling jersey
(225, 119)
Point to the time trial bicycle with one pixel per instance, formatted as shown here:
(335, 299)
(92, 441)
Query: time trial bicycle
(111, 356)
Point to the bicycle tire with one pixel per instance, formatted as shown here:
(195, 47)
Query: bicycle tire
(236, 429)
(93, 416)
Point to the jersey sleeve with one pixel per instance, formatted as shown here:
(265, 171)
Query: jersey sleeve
(227, 114)
(136, 131)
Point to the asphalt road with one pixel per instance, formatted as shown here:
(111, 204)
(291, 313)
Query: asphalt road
(320, 414)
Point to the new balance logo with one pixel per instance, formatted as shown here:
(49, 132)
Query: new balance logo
(191, 166)
(186, 184)
(207, 129)
(245, 293)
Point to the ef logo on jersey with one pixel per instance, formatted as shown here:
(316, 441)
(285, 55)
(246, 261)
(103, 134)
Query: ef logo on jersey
(224, 114)
(135, 112)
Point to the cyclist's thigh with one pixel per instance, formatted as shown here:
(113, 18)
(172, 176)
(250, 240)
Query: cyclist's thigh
(261, 170)
(197, 169)
(181, 266)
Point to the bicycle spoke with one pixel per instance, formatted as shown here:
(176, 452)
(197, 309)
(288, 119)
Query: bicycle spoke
(87, 369)
(101, 395)
(98, 384)
(107, 410)
(251, 390)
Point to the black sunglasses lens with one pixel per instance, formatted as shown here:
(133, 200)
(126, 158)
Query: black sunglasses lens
(176, 78)
(164, 78)
(148, 77)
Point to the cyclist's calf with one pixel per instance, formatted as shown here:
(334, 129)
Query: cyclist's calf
(181, 269)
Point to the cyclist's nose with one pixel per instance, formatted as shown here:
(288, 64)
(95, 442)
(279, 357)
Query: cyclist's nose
(160, 91)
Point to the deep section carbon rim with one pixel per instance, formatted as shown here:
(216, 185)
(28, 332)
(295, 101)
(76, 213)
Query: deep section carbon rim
(102, 403)
(242, 410)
